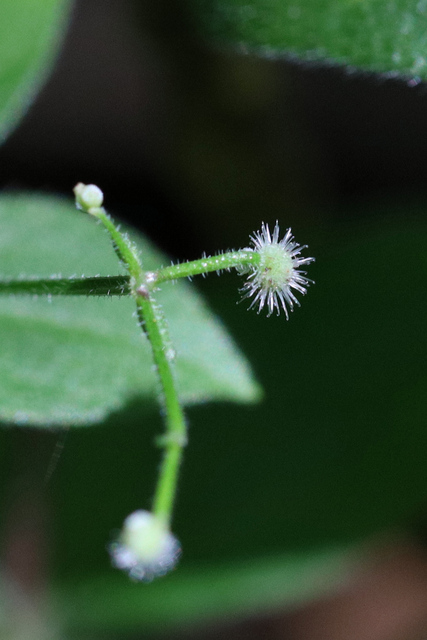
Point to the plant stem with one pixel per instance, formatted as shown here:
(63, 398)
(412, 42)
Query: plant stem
(232, 259)
(121, 285)
(154, 324)
(125, 249)
(57, 286)
(175, 438)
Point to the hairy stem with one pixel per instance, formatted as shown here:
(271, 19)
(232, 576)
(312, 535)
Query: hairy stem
(57, 286)
(175, 438)
(232, 259)
(121, 285)
(125, 249)
(154, 324)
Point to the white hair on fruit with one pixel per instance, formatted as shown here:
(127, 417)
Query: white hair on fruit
(145, 548)
(271, 281)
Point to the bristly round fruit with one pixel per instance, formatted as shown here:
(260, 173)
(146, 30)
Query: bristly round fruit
(145, 548)
(271, 281)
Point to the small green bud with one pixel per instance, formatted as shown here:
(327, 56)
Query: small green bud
(88, 196)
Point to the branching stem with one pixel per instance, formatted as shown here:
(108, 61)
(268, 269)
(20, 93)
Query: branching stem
(124, 285)
(154, 324)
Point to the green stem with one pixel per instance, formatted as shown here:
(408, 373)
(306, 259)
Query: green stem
(125, 249)
(153, 323)
(121, 285)
(230, 260)
(175, 438)
(56, 286)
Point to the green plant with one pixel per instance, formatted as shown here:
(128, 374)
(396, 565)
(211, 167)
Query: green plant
(280, 494)
(146, 547)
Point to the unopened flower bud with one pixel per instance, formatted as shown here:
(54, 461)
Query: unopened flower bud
(88, 196)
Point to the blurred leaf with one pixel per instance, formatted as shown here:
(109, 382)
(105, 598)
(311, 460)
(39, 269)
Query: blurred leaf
(30, 33)
(202, 594)
(272, 494)
(69, 361)
(375, 35)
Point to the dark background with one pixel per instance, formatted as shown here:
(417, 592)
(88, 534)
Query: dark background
(187, 141)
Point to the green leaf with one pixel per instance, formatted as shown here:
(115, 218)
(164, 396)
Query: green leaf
(375, 35)
(69, 361)
(30, 33)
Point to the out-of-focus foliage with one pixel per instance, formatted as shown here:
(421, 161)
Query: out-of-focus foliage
(30, 34)
(376, 35)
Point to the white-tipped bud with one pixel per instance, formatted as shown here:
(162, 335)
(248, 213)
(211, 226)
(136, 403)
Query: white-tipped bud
(145, 548)
(88, 196)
